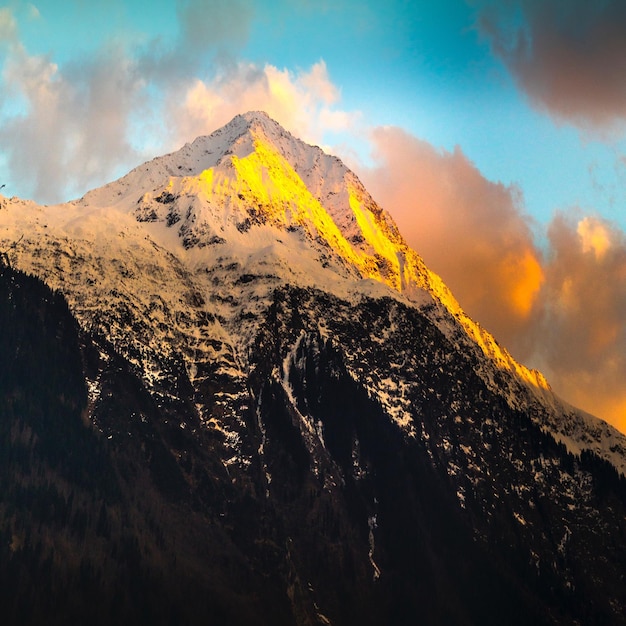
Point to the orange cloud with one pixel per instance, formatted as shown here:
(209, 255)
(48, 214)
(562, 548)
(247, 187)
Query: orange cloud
(563, 312)
(582, 336)
(302, 102)
(525, 276)
(469, 230)
(595, 237)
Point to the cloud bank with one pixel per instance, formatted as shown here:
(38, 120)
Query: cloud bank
(562, 309)
(74, 126)
(468, 229)
(582, 336)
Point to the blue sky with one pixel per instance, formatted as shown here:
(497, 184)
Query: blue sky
(492, 131)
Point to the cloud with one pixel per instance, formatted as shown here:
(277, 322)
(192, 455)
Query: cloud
(595, 237)
(562, 310)
(72, 126)
(33, 12)
(582, 336)
(63, 129)
(569, 56)
(469, 230)
(301, 101)
(207, 36)
(8, 27)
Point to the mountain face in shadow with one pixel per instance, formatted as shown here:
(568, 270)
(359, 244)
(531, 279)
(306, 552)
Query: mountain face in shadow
(150, 525)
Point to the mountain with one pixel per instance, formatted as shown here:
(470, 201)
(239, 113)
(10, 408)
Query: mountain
(242, 398)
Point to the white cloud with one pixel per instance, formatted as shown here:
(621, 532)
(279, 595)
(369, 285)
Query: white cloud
(33, 12)
(71, 128)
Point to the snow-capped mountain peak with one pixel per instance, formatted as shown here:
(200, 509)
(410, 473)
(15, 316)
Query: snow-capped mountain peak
(265, 373)
(254, 173)
(222, 223)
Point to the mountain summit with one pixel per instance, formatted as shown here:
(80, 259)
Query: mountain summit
(266, 357)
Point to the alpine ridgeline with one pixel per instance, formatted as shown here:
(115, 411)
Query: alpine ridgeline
(271, 411)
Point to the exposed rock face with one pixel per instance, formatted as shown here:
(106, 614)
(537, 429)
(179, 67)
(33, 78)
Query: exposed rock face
(263, 408)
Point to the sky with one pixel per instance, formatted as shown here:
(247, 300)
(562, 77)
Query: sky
(494, 132)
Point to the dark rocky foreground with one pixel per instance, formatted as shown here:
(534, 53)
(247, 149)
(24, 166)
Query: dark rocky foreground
(122, 507)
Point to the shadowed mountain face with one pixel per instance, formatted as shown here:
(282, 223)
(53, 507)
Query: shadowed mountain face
(249, 402)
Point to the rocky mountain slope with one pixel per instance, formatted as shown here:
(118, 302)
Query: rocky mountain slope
(297, 419)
